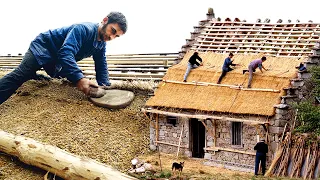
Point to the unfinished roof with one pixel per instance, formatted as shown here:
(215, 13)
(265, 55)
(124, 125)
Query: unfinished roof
(212, 98)
(278, 39)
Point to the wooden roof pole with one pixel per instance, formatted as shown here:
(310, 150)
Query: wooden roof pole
(157, 128)
(214, 132)
(223, 85)
(200, 116)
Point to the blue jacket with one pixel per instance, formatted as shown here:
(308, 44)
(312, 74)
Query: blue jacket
(58, 51)
(227, 63)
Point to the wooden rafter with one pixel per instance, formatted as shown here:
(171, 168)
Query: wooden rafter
(203, 116)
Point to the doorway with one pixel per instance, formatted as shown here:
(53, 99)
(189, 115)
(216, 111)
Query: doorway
(197, 138)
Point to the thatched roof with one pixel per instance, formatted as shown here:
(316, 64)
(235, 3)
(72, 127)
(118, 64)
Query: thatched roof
(225, 99)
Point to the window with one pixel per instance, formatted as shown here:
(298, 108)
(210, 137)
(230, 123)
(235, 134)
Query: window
(236, 133)
(172, 120)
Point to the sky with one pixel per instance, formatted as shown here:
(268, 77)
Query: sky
(153, 26)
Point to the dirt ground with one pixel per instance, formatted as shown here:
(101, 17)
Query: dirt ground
(56, 113)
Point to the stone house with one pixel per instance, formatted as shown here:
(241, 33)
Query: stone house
(222, 122)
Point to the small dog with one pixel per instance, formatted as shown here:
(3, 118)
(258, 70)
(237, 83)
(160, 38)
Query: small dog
(177, 166)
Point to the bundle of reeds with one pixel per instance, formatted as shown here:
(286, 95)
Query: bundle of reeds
(297, 157)
(277, 166)
(312, 157)
(294, 158)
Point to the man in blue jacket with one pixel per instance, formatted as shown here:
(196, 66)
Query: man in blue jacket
(226, 67)
(57, 52)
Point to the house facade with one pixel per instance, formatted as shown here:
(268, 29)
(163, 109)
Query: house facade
(222, 122)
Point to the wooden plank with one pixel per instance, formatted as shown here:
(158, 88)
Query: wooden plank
(257, 38)
(248, 50)
(111, 74)
(199, 83)
(240, 31)
(203, 116)
(259, 26)
(246, 46)
(132, 62)
(129, 69)
(271, 43)
(222, 85)
(263, 35)
(180, 138)
(170, 144)
(157, 128)
(129, 66)
(229, 150)
(127, 78)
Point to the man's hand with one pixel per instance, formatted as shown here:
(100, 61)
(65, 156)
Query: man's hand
(84, 85)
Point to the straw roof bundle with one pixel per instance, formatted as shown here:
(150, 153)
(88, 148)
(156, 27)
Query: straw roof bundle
(225, 99)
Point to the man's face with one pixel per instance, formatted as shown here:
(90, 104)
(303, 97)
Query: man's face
(110, 31)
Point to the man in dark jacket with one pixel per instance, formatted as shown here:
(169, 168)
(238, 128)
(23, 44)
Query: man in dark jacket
(57, 52)
(226, 67)
(192, 64)
(261, 156)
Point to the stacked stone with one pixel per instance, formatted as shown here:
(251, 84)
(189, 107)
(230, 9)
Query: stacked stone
(197, 30)
(293, 94)
(170, 134)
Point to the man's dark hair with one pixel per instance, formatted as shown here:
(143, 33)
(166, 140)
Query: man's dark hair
(195, 53)
(230, 54)
(263, 58)
(119, 18)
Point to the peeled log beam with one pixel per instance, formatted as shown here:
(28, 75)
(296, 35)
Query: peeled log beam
(55, 160)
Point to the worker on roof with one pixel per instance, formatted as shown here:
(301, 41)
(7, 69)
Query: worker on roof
(192, 64)
(57, 52)
(226, 67)
(253, 66)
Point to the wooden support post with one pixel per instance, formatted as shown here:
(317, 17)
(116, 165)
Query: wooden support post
(157, 128)
(207, 128)
(214, 132)
(180, 138)
(55, 160)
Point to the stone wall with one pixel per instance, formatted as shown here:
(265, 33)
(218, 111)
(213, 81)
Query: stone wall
(169, 133)
(223, 135)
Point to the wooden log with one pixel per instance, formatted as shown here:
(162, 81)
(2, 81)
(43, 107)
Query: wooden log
(55, 160)
(200, 83)
(157, 129)
(223, 85)
(229, 150)
(170, 144)
(200, 116)
(207, 128)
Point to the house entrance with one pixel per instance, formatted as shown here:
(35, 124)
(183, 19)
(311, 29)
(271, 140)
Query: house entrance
(197, 138)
